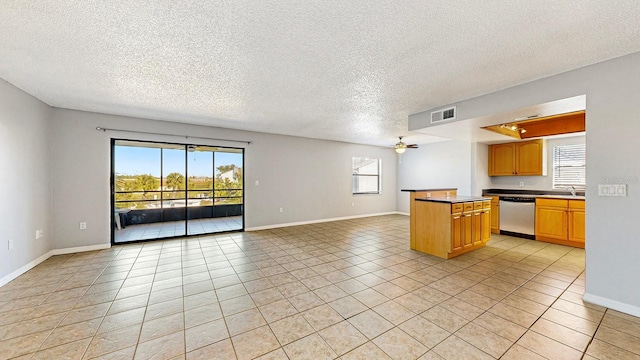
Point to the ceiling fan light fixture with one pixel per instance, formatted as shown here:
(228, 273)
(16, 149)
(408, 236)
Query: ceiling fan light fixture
(400, 149)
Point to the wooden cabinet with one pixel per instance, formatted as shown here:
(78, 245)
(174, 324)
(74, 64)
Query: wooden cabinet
(502, 159)
(495, 215)
(446, 229)
(415, 194)
(576, 221)
(476, 234)
(551, 219)
(560, 221)
(485, 228)
(456, 232)
(526, 158)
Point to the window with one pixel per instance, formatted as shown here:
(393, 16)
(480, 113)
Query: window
(366, 175)
(569, 165)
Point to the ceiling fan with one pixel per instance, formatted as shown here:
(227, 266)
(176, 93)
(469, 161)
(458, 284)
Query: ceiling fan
(400, 147)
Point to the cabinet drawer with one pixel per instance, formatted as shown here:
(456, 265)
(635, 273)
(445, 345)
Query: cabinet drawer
(468, 206)
(477, 205)
(456, 208)
(576, 204)
(552, 202)
(486, 204)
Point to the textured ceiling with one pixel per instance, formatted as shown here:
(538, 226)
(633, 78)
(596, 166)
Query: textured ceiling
(333, 69)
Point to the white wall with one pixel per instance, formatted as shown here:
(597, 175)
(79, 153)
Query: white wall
(25, 190)
(612, 119)
(310, 179)
(479, 168)
(535, 182)
(437, 165)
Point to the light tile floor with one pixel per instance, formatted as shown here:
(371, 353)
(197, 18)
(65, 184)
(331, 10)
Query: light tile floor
(177, 228)
(348, 289)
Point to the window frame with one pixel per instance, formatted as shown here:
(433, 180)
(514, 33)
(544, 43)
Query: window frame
(557, 165)
(355, 175)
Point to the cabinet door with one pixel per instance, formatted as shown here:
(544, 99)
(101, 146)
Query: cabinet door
(456, 232)
(486, 227)
(476, 235)
(529, 158)
(576, 225)
(501, 159)
(467, 229)
(551, 222)
(495, 217)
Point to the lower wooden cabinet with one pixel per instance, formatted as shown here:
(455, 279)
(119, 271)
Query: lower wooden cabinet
(447, 229)
(486, 229)
(467, 230)
(495, 214)
(476, 234)
(576, 221)
(470, 225)
(560, 221)
(456, 232)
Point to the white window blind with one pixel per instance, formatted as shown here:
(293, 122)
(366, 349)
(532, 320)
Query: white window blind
(569, 166)
(366, 175)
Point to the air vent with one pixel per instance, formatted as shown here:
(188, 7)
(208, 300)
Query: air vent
(443, 115)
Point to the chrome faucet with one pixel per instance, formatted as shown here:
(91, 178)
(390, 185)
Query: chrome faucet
(573, 191)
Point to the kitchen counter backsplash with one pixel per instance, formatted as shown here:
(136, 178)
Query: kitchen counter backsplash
(486, 192)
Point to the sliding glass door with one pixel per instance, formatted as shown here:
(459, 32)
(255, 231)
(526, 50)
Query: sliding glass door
(163, 190)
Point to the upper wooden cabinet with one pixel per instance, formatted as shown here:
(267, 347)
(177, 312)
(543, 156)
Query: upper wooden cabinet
(526, 158)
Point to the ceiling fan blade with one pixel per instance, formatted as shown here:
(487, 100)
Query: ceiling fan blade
(412, 146)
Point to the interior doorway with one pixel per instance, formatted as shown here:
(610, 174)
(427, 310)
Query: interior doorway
(162, 190)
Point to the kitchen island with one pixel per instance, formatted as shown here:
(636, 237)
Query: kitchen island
(422, 193)
(448, 226)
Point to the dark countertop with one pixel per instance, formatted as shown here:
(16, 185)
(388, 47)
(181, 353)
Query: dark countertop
(414, 190)
(453, 199)
(551, 194)
(530, 193)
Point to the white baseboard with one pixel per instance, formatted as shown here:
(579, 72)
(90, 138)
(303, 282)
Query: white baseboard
(80, 249)
(402, 213)
(275, 226)
(5, 280)
(612, 304)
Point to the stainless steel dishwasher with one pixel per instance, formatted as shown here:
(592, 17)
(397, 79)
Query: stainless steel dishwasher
(517, 216)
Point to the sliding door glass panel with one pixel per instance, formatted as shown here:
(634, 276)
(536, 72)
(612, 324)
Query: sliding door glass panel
(174, 187)
(228, 189)
(137, 172)
(163, 190)
(200, 190)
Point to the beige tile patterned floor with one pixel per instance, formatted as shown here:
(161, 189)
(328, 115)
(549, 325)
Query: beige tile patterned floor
(348, 289)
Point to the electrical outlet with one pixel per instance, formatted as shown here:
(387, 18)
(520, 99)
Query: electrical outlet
(10, 244)
(521, 183)
(281, 210)
(353, 204)
(39, 234)
(257, 182)
(83, 226)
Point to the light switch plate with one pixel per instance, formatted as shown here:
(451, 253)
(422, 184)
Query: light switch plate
(612, 189)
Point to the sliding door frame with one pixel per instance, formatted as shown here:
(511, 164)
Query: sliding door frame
(112, 189)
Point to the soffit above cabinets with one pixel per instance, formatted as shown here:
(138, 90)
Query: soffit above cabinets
(472, 130)
(568, 123)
